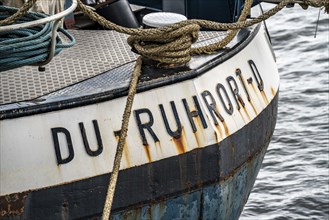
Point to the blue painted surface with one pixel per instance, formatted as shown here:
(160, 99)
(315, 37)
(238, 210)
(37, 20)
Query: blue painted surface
(223, 200)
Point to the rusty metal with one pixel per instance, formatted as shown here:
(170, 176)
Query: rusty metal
(219, 129)
(273, 91)
(265, 97)
(227, 132)
(148, 153)
(244, 121)
(180, 143)
(253, 107)
(13, 204)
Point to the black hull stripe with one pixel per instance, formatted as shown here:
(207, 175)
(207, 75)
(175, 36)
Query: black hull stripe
(155, 181)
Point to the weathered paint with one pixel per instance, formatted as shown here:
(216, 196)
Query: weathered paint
(159, 180)
(13, 205)
(34, 150)
(221, 200)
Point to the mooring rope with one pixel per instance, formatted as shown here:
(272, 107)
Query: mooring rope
(122, 138)
(28, 46)
(172, 44)
(19, 13)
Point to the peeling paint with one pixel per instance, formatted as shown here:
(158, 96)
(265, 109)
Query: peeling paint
(13, 204)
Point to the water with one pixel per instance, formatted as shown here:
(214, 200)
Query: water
(294, 179)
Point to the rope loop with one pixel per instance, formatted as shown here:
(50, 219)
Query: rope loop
(172, 44)
(174, 47)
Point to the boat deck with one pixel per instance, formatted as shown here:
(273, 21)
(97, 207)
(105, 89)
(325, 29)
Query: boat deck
(96, 52)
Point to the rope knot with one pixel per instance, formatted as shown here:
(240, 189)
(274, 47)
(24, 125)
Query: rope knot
(167, 45)
(316, 4)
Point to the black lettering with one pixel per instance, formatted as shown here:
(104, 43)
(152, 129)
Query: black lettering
(55, 132)
(196, 113)
(178, 132)
(237, 97)
(146, 126)
(85, 140)
(117, 133)
(212, 106)
(255, 71)
(239, 74)
(228, 109)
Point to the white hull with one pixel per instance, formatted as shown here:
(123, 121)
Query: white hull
(28, 159)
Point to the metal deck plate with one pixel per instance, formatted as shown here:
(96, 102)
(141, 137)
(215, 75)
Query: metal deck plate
(95, 52)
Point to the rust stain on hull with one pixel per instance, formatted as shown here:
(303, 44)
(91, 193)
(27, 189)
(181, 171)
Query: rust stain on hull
(158, 147)
(264, 97)
(242, 115)
(13, 204)
(197, 139)
(148, 153)
(219, 129)
(245, 111)
(180, 143)
(253, 107)
(125, 151)
(255, 91)
(199, 132)
(216, 137)
(227, 131)
(272, 91)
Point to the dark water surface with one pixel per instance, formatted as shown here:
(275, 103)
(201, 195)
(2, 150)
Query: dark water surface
(293, 182)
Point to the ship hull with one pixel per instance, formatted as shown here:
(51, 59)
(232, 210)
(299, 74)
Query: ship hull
(209, 183)
(195, 143)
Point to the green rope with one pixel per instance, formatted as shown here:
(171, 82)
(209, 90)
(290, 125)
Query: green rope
(27, 46)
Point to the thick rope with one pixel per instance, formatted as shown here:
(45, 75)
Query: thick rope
(316, 4)
(122, 139)
(172, 44)
(19, 13)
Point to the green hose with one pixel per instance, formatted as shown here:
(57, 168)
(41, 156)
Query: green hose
(28, 46)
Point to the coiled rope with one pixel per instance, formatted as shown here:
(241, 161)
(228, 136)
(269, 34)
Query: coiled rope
(27, 46)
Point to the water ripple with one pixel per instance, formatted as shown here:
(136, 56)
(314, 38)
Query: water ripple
(294, 180)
